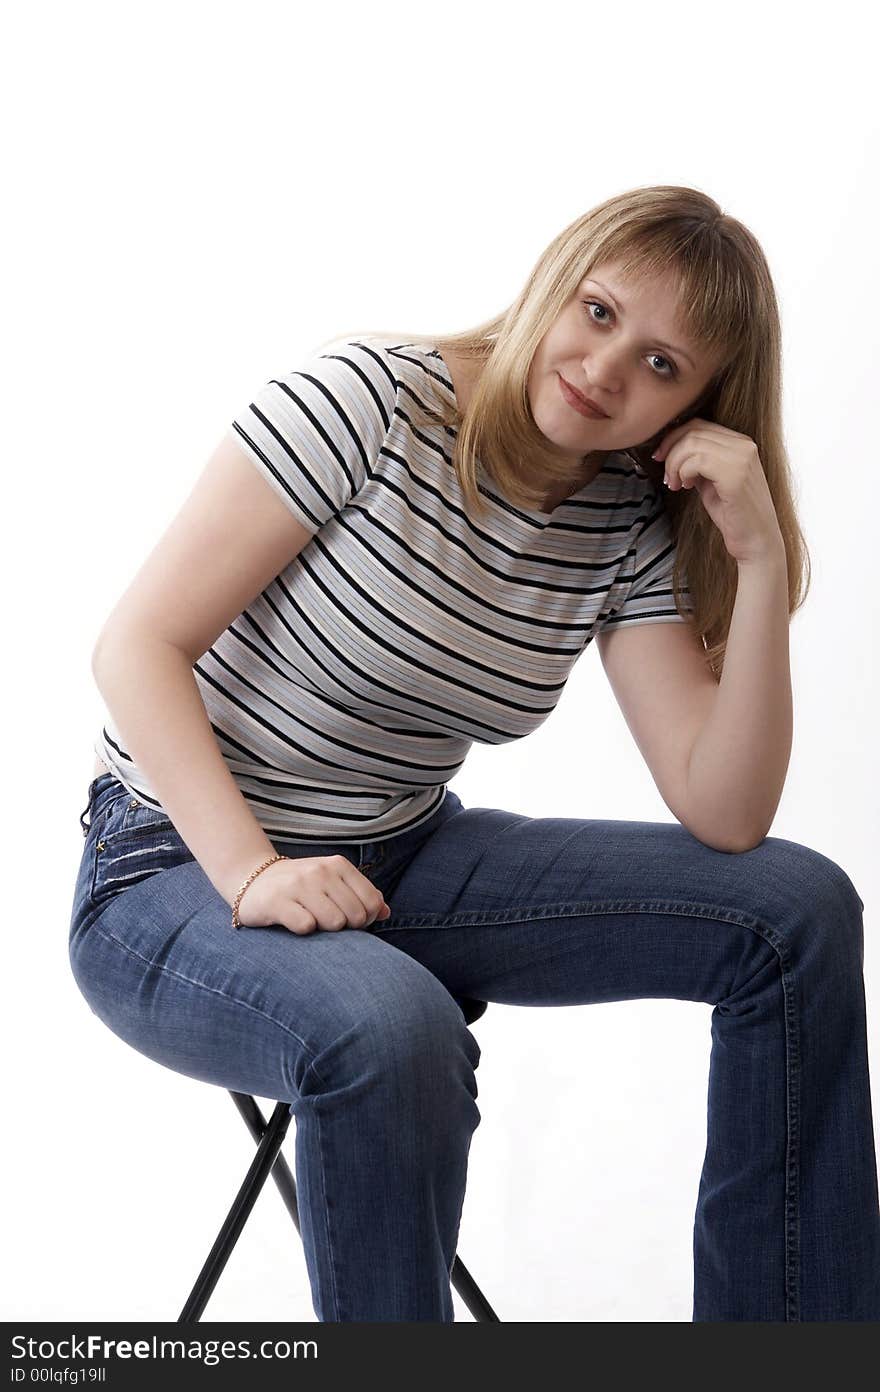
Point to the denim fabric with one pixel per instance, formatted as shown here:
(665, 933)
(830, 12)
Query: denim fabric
(362, 1031)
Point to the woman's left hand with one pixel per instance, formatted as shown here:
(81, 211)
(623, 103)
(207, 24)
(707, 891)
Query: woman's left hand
(725, 468)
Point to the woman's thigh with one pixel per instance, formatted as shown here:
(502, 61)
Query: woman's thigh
(561, 910)
(153, 952)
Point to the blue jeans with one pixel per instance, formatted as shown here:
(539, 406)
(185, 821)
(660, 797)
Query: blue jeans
(362, 1031)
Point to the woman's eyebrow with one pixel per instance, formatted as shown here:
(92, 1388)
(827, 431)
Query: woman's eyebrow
(669, 346)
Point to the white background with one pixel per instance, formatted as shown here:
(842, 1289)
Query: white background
(197, 196)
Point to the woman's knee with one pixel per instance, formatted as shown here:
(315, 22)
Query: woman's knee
(403, 1029)
(799, 892)
(808, 874)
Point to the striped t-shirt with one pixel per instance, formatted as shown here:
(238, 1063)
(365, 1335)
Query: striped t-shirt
(348, 693)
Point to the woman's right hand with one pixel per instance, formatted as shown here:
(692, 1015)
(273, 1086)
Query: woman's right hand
(311, 892)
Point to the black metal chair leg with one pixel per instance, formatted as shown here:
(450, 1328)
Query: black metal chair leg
(470, 1292)
(238, 1214)
(256, 1124)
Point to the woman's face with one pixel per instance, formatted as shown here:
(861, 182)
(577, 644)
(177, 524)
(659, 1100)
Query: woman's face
(606, 343)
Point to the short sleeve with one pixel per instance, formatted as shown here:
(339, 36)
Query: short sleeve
(316, 432)
(649, 598)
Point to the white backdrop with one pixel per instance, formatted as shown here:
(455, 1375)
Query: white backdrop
(201, 193)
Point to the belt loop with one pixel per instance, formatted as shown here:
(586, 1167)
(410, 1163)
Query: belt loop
(84, 813)
(86, 826)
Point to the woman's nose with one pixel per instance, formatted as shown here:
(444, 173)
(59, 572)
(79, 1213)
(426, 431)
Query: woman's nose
(602, 371)
(604, 364)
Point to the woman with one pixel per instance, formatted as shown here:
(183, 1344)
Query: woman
(403, 547)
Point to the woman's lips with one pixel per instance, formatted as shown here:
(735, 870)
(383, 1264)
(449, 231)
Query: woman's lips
(574, 400)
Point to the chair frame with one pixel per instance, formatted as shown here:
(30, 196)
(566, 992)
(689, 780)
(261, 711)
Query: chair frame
(268, 1159)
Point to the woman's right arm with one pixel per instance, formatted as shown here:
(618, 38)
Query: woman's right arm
(231, 538)
(150, 690)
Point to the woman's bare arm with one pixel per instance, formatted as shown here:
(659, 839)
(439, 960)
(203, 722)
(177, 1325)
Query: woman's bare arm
(231, 538)
(151, 692)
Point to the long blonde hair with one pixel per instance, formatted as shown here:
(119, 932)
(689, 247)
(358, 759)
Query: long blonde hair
(727, 306)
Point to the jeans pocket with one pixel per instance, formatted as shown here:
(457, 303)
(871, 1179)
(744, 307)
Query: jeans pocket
(133, 847)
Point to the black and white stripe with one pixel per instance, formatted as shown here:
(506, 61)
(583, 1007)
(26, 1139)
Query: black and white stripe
(347, 695)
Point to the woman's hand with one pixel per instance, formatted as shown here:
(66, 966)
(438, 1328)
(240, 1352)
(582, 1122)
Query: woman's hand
(725, 469)
(311, 892)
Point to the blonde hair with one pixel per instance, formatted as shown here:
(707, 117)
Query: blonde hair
(727, 306)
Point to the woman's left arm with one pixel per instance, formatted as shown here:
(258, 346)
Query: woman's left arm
(740, 757)
(739, 760)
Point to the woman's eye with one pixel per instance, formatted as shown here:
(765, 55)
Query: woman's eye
(671, 372)
(597, 304)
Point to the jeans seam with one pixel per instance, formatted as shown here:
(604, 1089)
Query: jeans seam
(325, 1210)
(523, 913)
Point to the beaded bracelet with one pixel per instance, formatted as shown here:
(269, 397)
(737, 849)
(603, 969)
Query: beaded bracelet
(236, 922)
